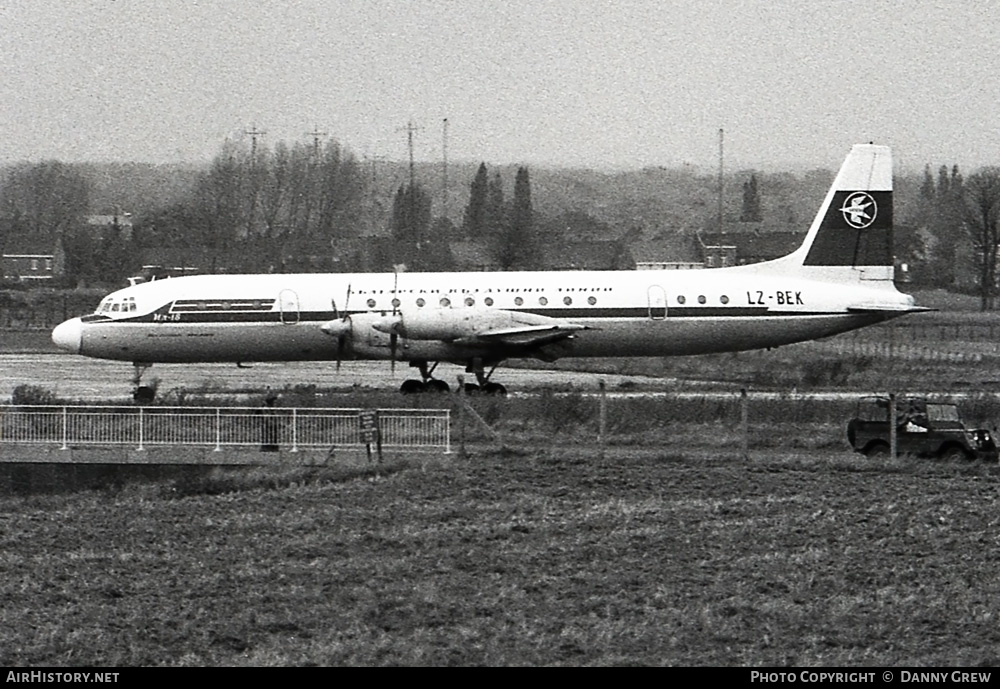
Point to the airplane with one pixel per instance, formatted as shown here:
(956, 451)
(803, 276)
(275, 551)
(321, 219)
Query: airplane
(839, 279)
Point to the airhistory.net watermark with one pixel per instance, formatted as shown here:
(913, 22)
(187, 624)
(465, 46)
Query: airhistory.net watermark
(60, 677)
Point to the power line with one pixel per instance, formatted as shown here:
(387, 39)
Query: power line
(316, 134)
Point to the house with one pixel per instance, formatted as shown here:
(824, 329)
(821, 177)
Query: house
(678, 252)
(24, 265)
(28, 267)
(586, 255)
(101, 224)
(749, 243)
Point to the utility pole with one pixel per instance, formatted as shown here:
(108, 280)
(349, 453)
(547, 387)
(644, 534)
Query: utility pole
(315, 134)
(722, 230)
(444, 169)
(410, 129)
(254, 133)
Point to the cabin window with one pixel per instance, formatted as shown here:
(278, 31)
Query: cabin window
(421, 302)
(543, 301)
(567, 301)
(395, 303)
(724, 299)
(701, 299)
(371, 303)
(591, 300)
(114, 307)
(445, 302)
(681, 299)
(469, 301)
(518, 301)
(488, 301)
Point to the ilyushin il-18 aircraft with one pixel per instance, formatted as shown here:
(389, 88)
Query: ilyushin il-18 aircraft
(839, 279)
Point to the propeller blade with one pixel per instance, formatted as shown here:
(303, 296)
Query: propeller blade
(345, 329)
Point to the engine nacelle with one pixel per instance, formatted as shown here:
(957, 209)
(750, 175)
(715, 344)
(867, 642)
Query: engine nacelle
(449, 325)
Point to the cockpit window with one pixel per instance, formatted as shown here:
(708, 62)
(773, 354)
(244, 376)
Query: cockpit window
(110, 305)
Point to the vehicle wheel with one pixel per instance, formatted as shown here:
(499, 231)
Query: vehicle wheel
(495, 389)
(412, 387)
(877, 451)
(437, 386)
(143, 395)
(953, 453)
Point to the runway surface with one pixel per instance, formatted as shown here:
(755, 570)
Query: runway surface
(76, 377)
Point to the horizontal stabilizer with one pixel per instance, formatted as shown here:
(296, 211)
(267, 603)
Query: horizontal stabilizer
(887, 308)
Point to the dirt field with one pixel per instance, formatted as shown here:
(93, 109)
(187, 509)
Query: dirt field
(509, 558)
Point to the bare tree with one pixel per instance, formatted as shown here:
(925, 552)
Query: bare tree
(277, 174)
(43, 201)
(981, 210)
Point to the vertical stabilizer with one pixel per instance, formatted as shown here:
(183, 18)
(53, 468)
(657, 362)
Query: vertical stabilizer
(854, 225)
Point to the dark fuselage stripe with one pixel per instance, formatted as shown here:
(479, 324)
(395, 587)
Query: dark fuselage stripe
(643, 313)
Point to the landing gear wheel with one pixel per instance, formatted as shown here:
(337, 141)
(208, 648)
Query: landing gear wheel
(412, 387)
(877, 451)
(143, 395)
(437, 386)
(954, 454)
(495, 389)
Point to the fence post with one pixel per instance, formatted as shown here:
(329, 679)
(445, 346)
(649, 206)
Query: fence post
(744, 424)
(447, 431)
(65, 416)
(602, 417)
(218, 430)
(461, 416)
(892, 425)
(140, 429)
(295, 430)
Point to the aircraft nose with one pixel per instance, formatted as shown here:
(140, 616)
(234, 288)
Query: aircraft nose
(68, 335)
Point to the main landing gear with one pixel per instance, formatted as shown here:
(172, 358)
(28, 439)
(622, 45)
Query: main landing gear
(412, 386)
(143, 394)
(435, 385)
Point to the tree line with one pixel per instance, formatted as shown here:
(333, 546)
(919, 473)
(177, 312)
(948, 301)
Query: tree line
(257, 208)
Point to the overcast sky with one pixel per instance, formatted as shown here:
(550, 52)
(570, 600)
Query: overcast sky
(573, 83)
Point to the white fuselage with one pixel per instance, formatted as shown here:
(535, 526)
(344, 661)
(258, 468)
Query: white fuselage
(273, 317)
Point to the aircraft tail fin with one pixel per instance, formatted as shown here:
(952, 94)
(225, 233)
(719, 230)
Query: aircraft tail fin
(853, 228)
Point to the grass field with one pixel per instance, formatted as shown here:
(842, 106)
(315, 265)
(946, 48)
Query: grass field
(668, 551)
(512, 558)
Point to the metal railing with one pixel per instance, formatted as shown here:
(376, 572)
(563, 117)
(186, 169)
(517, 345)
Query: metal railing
(223, 427)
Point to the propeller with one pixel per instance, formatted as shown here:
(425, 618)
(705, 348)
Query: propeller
(339, 327)
(393, 335)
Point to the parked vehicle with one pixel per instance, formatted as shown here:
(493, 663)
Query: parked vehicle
(925, 428)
